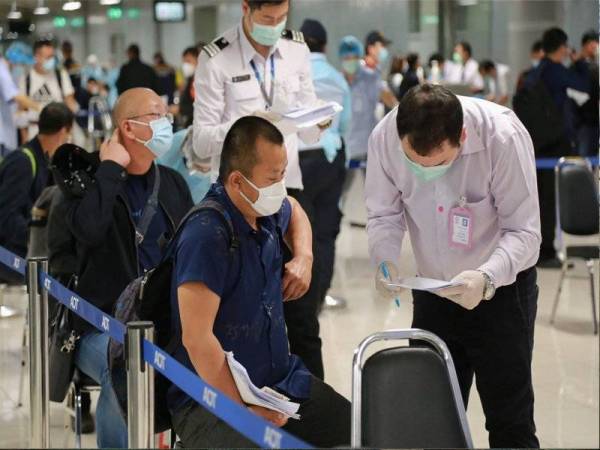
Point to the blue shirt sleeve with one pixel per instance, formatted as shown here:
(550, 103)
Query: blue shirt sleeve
(203, 252)
(284, 216)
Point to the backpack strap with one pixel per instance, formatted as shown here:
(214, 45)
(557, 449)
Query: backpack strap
(28, 83)
(206, 204)
(59, 81)
(32, 160)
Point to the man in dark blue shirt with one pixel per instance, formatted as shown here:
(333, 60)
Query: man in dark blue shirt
(24, 175)
(231, 299)
(560, 82)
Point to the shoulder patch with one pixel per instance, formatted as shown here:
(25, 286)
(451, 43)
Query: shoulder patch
(293, 35)
(215, 46)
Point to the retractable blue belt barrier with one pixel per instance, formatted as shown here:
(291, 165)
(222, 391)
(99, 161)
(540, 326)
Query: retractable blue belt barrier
(240, 418)
(12, 261)
(540, 163)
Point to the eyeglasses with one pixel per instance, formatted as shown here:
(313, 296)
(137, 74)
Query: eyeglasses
(169, 116)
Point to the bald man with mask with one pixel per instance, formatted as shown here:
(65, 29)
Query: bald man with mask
(121, 231)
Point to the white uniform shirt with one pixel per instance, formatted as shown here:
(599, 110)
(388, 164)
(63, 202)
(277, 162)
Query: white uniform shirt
(495, 172)
(44, 89)
(467, 73)
(8, 92)
(227, 89)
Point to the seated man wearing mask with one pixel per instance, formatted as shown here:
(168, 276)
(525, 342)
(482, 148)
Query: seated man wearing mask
(120, 231)
(232, 300)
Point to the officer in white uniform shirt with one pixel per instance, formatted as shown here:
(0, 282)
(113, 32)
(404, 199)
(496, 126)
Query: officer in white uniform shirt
(458, 174)
(259, 68)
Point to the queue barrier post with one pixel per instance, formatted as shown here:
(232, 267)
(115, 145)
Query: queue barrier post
(140, 386)
(38, 354)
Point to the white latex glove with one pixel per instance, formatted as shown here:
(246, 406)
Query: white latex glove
(387, 272)
(470, 293)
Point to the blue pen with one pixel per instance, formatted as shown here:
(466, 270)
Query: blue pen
(386, 273)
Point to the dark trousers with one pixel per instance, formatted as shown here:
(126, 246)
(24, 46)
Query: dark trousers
(325, 422)
(494, 342)
(547, 198)
(323, 182)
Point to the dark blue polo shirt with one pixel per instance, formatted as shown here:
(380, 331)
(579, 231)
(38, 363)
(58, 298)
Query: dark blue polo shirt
(250, 320)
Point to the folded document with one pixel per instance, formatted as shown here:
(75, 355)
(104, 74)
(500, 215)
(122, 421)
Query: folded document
(265, 397)
(299, 119)
(422, 284)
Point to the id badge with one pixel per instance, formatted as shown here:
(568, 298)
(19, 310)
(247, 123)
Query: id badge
(460, 224)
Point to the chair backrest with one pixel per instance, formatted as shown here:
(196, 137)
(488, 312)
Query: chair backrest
(577, 198)
(409, 396)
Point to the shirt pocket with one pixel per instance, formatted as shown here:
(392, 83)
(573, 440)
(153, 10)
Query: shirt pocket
(242, 92)
(484, 215)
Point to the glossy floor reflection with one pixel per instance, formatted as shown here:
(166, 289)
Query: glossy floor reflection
(565, 366)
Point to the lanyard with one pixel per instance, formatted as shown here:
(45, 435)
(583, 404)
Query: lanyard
(268, 98)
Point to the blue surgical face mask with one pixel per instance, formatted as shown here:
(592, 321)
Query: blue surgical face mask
(426, 173)
(384, 55)
(266, 34)
(49, 65)
(162, 136)
(350, 66)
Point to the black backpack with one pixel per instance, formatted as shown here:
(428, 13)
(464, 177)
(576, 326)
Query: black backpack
(535, 107)
(148, 298)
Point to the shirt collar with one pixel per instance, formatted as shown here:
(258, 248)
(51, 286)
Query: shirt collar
(239, 221)
(473, 143)
(248, 52)
(317, 56)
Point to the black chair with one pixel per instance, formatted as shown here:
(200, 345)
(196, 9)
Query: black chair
(577, 204)
(407, 396)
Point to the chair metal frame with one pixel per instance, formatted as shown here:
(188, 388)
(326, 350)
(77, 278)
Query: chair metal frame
(562, 250)
(396, 335)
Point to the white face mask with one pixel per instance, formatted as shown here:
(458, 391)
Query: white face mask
(269, 199)
(188, 69)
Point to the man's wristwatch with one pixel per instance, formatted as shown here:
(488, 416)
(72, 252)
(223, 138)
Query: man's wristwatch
(488, 289)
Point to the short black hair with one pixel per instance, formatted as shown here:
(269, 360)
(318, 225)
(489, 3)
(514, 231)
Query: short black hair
(537, 46)
(42, 43)
(134, 50)
(428, 115)
(54, 117)
(257, 4)
(553, 39)
(315, 45)
(588, 36)
(466, 47)
(239, 147)
(191, 51)
(411, 60)
(486, 65)
(437, 57)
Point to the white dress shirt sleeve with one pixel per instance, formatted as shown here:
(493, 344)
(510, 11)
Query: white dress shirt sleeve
(386, 222)
(209, 109)
(514, 188)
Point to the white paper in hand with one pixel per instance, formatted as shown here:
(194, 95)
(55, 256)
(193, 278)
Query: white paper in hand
(422, 284)
(265, 397)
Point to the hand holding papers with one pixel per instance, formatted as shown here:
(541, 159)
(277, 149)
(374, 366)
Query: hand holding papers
(299, 119)
(422, 284)
(265, 397)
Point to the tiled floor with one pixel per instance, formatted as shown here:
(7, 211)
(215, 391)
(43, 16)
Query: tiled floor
(565, 366)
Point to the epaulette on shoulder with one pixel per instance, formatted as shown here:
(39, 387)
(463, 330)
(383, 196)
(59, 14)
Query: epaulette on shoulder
(293, 35)
(215, 46)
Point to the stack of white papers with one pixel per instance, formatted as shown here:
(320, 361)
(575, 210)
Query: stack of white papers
(265, 397)
(299, 119)
(422, 284)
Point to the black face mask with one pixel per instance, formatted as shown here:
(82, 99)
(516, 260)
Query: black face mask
(74, 169)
